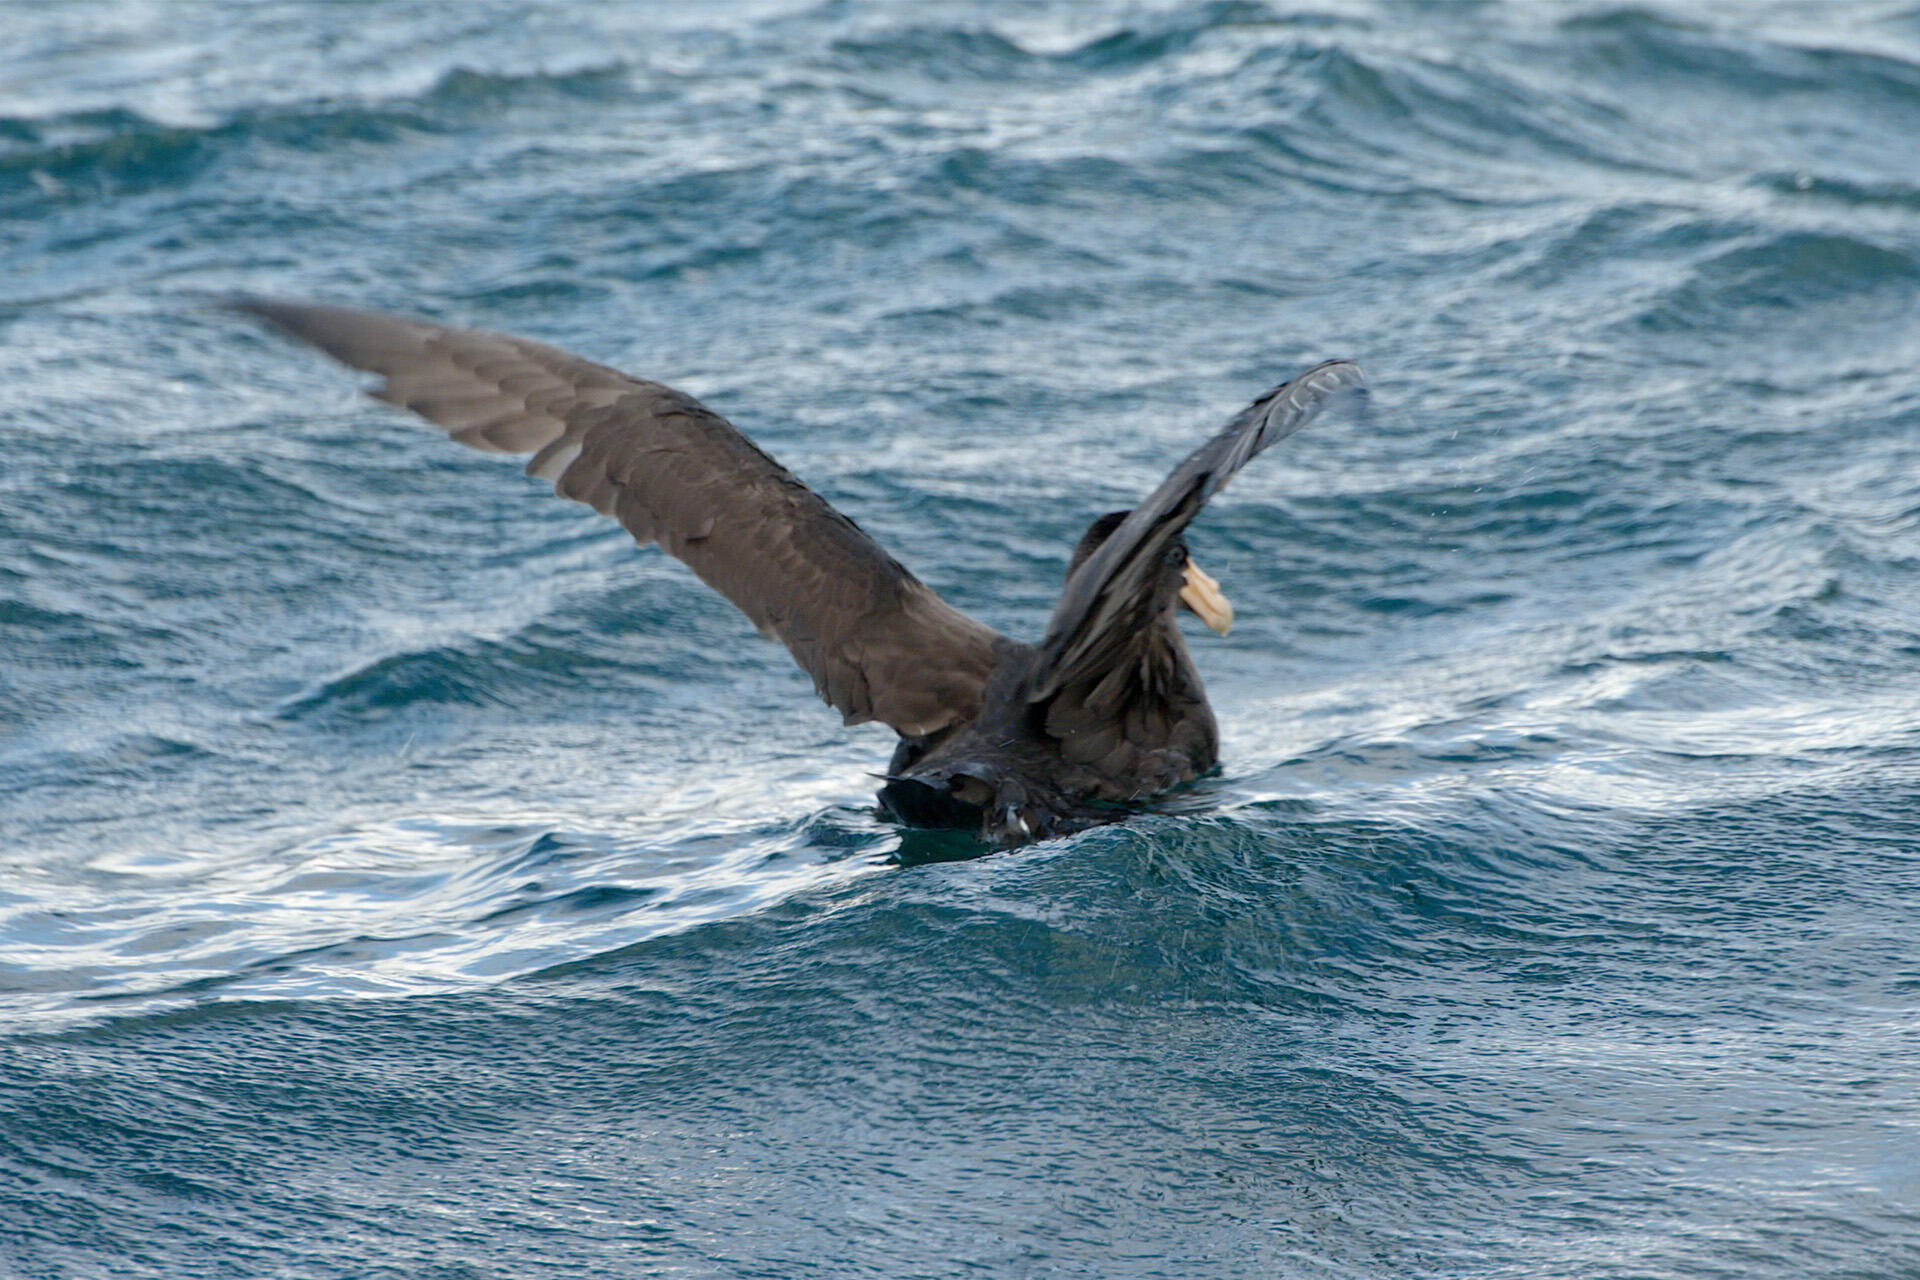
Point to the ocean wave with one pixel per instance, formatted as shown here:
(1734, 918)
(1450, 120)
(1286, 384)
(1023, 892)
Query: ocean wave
(379, 822)
(1640, 43)
(485, 91)
(87, 156)
(940, 54)
(100, 155)
(637, 645)
(1842, 191)
(1789, 278)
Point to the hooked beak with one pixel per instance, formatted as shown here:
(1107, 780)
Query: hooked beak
(1202, 595)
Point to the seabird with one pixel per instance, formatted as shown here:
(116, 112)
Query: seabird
(1009, 741)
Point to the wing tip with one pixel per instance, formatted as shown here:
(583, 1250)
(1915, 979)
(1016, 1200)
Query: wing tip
(258, 306)
(1345, 385)
(300, 321)
(1339, 385)
(1329, 377)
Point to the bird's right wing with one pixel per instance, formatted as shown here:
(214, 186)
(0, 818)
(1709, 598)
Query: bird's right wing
(1104, 604)
(879, 644)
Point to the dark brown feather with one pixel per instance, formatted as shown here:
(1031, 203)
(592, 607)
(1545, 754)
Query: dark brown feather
(1110, 598)
(879, 644)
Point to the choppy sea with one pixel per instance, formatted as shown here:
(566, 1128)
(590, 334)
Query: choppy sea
(401, 875)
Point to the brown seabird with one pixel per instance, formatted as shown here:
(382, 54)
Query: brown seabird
(1007, 740)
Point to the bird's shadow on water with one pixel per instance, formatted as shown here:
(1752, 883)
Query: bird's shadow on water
(923, 846)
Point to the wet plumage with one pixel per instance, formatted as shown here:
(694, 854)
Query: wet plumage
(1013, 741)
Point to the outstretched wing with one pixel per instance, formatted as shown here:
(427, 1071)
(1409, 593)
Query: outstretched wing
(879, 644)
(1105, 602)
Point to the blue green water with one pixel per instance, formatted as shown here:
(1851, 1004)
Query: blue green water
(401, 875)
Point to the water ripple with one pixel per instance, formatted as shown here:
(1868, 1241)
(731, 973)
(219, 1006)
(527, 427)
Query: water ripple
(395, 851)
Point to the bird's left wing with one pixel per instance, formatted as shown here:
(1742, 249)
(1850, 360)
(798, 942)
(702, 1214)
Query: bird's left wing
(879, 644)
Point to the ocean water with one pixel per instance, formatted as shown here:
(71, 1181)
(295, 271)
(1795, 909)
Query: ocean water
(401, 875)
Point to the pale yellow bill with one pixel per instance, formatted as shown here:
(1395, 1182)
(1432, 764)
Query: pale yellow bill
(1203, 595)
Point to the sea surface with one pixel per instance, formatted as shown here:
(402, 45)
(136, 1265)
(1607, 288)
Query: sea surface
(404, 876)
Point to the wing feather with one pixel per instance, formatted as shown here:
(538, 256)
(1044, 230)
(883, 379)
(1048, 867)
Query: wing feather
(1104, 604)
(878, 643)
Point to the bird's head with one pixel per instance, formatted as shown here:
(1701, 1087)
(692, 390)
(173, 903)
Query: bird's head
(1197, 590)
